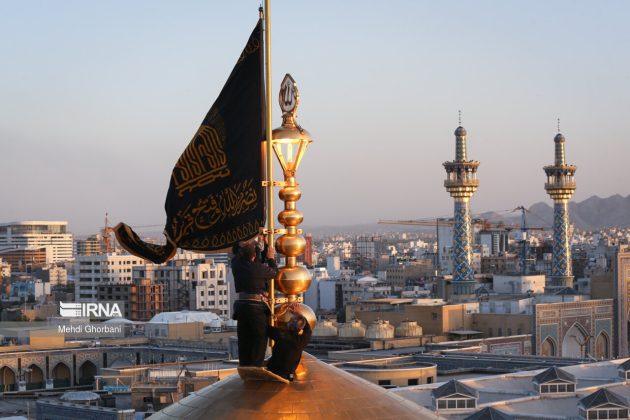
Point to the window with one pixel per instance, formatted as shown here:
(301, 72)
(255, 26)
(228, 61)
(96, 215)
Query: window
(509, 330)
(430, 380)
(557, 388)
(607, 413)
(434, 316)
(500, 333)
(383, 382)
(411, 382)
(456, 403)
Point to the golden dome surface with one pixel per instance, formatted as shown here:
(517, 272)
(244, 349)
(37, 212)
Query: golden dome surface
(325, 392)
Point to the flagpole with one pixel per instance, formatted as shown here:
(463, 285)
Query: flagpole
(269, 138)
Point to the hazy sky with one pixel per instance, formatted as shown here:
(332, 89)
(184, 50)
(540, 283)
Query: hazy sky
(98, 100)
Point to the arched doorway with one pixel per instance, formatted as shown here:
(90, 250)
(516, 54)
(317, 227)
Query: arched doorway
(61, 375)
(575, 342)
(87, 371)
(7, 379)
(34, 377)
(602, 346)
(548, 347)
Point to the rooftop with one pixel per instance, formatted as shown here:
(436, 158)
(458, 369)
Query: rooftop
(184, 316)
(600, 397)
(489, 413)
(453, 387)
(514, 394)
(552, 374)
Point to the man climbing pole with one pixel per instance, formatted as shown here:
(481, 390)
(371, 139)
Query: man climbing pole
(251, 310)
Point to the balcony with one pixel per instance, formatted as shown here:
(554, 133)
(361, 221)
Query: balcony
(466, 182)
(566, 185)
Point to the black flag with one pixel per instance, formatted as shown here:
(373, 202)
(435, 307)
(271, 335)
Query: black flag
(215, 197)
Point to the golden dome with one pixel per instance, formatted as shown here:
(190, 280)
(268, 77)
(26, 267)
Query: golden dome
(284, 315)
(325, 392)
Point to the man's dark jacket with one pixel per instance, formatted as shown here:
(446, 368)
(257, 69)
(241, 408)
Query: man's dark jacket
(287, 350)
(253, 276)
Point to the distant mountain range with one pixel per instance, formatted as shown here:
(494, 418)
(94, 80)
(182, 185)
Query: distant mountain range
(593, 213)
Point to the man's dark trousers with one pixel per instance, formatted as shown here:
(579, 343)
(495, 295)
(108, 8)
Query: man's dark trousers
(251, 331)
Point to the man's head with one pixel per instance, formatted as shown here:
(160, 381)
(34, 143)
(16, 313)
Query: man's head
(296, 323)
(248, 251)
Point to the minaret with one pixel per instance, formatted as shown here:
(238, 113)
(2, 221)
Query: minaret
(461, 182)
(560, 186)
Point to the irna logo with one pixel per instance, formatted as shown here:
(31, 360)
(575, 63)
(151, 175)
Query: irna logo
(90, 310)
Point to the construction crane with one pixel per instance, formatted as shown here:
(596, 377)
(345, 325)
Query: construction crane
(106, 234)
(442, 222)
(485, 224)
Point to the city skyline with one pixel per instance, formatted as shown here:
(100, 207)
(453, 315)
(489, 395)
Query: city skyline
(100, 101)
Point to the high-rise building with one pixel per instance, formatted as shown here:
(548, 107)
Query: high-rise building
(26, 259)
(495, 239)
(461, 183)
(143, 299)
(92, 245)
(366, 252)
(116, 293)
(333, 265)
(92, 271)
(560, 186)
(146, 299)
(53, 235)
(192, 282)
(208, 288)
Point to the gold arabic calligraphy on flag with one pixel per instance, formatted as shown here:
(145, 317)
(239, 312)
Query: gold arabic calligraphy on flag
(203, 161)
(232, 201)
